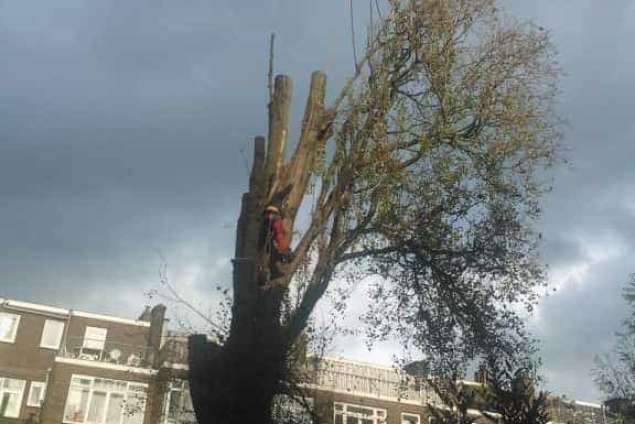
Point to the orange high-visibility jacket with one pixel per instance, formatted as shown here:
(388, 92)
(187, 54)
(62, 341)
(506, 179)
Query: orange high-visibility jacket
(279, 235)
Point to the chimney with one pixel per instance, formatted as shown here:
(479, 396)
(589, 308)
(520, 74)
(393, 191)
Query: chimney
(157, 320)
(145, 315)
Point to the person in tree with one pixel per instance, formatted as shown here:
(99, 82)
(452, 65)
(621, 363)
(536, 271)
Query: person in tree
(276, 240)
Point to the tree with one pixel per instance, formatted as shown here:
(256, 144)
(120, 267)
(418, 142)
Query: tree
(457, 400)
(614, 373)
(454, 400)
(506, 391)
(511, 391)
(426, 170)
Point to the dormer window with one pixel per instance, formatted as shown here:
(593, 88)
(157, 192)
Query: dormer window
(95, 338)
(94, 343)
(52, 334)
(8, 327)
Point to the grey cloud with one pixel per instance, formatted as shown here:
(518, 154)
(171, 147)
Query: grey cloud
(577, 323)
(122, 125)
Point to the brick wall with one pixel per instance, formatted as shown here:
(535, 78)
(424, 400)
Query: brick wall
(57, 392)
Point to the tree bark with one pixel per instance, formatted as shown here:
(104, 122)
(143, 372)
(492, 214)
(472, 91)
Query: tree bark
(236, 382)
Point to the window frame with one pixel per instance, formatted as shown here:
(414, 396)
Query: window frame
(34, 384)
(14, 333)
(92, 340)
(20, 394)
(130, 385)
(59, 338)
(377, 418)
(411, 414)
(178, 386)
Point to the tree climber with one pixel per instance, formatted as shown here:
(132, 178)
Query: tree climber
(276, 240)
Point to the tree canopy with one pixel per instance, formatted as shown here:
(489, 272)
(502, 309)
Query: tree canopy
(432, 176)
(426, 170)
(614, 372)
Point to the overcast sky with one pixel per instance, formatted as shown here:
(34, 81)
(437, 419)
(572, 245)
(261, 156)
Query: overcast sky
(124, 128)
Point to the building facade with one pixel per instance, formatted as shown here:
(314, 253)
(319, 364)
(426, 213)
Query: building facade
(63, 366)
(344, 392)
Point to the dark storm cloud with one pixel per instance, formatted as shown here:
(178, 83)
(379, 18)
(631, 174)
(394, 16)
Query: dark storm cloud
(125, 130)
(589, 224)
(122, 125)
(577, 323)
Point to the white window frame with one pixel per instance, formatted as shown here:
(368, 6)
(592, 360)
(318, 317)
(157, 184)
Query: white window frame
(380, 415)
(410, 414)
(95, 343)
(175, 386)
(14, 333)
(47, 323)
(40, 401)
(92, 390)
(20, 394)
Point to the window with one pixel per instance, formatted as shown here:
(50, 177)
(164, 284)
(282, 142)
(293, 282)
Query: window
(356, 414)
(407, 418)
(11, 392)
(95, 338)
(52, 334)
(101, 401)
(178, 404)
(36, 394)
(8, 327)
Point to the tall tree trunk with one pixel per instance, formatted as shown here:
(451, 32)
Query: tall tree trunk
(235, 382)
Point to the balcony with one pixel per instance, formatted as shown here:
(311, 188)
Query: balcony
(365, 379)
(105, 351)
(576, 412)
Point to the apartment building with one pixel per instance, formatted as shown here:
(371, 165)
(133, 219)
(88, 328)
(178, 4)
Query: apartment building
(353, 392)
(63, 366)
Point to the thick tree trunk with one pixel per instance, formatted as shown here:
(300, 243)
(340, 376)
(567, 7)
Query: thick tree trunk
(236, 382)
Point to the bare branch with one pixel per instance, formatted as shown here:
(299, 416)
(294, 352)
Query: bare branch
(165, 282)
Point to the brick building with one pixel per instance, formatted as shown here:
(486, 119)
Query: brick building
(63, 366)
(354, 392)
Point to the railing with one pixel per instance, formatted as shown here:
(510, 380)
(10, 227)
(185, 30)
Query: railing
(336, 374)
(366, 379)
(106, 352)
(575, 412)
